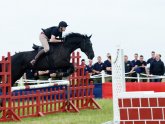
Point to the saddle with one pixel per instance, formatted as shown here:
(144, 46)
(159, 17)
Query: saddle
(36, 47)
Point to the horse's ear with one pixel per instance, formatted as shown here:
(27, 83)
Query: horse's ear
(90, 36)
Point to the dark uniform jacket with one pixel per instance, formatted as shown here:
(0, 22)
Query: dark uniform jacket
(52, 31)
(157, 68)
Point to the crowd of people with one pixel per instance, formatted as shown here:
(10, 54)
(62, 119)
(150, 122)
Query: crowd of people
(30, 74)
(153, 66)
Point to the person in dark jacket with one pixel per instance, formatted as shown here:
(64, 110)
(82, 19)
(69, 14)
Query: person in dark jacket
(98, 66)
(128, 65)
(143, 68)
(135, 64)
(150, 60)
(52, 34)
(107, 64)
(143, 64)
(30, 74)
(128, 68)
(89, 67)
(157, 68)
(82, 70)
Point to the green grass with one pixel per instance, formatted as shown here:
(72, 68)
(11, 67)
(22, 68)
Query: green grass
(84, 117)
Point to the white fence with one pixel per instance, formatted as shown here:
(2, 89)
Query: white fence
(140, 76)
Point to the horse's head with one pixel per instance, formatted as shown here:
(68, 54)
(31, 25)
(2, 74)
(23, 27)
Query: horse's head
(74, 41)
(86, 47)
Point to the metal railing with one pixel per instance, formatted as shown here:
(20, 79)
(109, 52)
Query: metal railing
(139, 77)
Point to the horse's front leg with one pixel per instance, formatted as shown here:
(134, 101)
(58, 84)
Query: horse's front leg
(69, 70)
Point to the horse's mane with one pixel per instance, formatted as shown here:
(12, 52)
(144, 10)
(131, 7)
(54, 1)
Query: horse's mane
(72, 35)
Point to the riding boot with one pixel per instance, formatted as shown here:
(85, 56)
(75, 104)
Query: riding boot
(37, 57)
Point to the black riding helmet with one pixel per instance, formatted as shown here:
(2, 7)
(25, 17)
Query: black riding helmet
(62, 24)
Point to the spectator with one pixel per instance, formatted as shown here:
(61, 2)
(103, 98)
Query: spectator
(157, 68)
(143, 65)
(128, 68)
(150, 60)
(89, 67)
(128, 65)
(43, 75)
(82, 70)
(83, 62)
(54, 73)
(30, 74)
(135, 62)
(107, 64)
(135, 65)
(98, 66)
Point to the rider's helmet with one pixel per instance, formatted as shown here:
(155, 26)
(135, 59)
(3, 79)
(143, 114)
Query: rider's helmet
(62, 24)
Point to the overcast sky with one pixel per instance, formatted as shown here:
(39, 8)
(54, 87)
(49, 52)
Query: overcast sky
(136, 25)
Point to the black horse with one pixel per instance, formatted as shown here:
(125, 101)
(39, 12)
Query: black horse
(57, 58)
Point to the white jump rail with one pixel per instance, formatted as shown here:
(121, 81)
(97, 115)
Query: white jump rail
(24, 81)
(47, 83)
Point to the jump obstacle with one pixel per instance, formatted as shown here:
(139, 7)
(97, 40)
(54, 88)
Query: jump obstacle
(72, 97)
(134, 107)
(43, 85)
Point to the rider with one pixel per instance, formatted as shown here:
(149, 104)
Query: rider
(52, 34)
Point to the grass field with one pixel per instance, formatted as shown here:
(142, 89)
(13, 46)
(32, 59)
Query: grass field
(84, 117)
